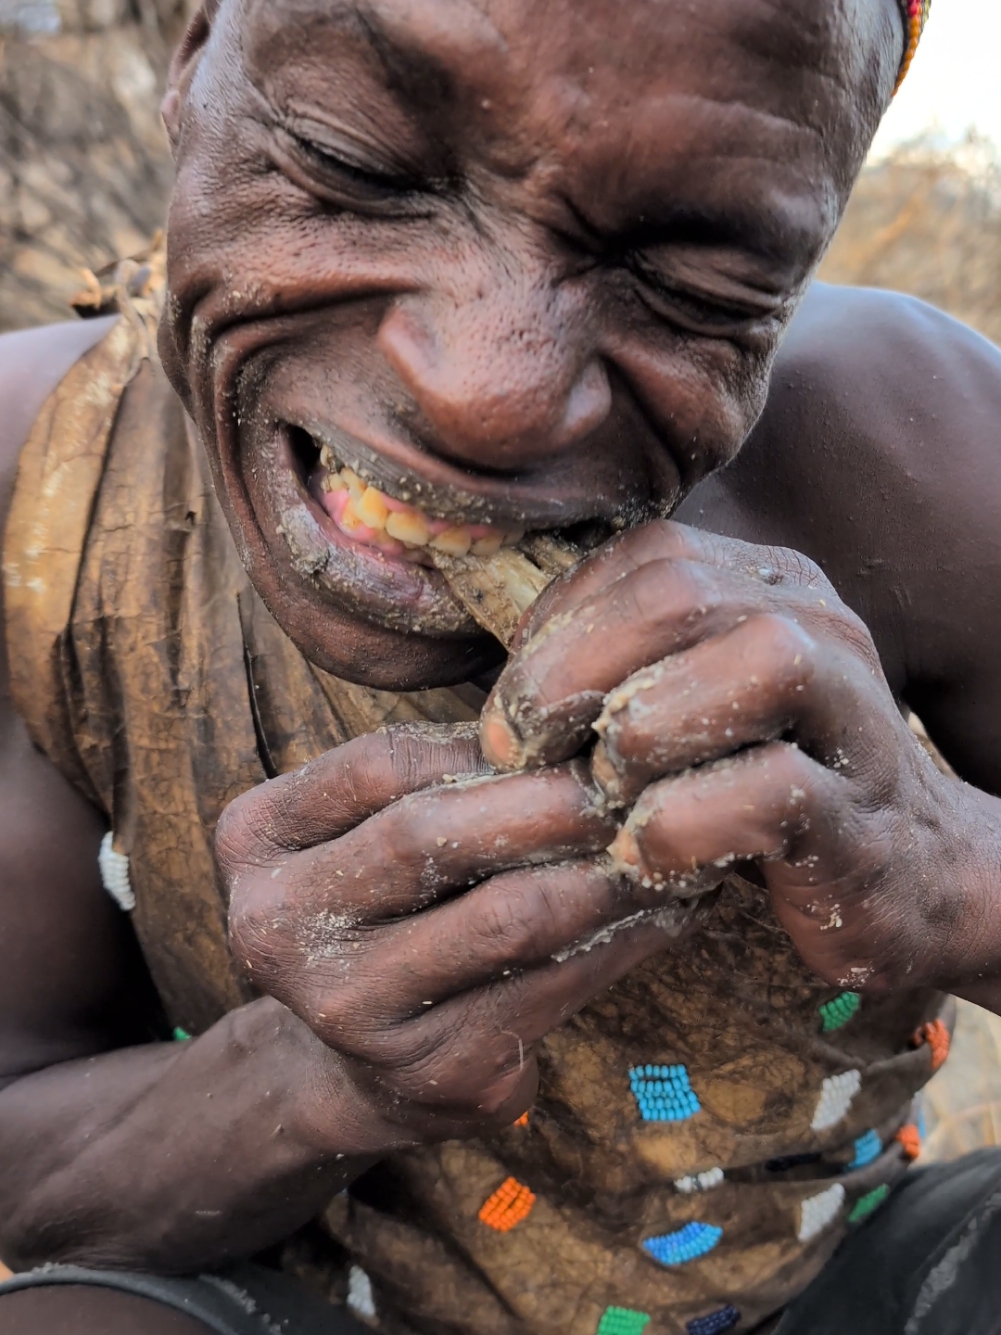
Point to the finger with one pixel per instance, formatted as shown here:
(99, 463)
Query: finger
(666, 540)
(818, 851)
(621, 555)
(476, 1046)
(771, 802)
(343, 787)
(549, 695)
(403, 859)
(513, 922)
(822, 853)
(766, 678)
(422, 848)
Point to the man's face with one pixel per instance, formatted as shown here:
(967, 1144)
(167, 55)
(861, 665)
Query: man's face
(516, 265)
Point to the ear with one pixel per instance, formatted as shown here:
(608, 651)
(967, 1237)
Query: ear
(183, 65)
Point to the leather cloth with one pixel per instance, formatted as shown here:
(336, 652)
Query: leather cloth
(704, 1132)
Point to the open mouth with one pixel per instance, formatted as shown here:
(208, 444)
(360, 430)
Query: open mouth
(373, 517)
(368, 536)
(385, 519)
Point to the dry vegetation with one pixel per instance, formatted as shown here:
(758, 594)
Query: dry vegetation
(84, 172)
(84, 166)
(928, 222)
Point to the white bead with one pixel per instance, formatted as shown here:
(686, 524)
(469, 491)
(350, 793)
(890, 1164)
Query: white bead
(712, 1177)
(114, 867)
(836, 1096)
(360, 1297)
(817, 1212)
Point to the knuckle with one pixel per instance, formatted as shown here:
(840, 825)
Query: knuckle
(785, 565)
(337, 1016)
(255, 943)
(348, 1011)
(673, 593)
(792, 774)
(504, 923)
(236, 841)
(856, 634)
(788, 650)
(403, 831)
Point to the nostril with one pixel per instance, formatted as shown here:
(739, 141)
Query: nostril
(489, 393)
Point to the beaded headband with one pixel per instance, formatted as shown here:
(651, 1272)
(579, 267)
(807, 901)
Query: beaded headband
(915, 17)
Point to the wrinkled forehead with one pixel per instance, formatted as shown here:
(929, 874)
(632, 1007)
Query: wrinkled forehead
(558, 64)
(529, 41)
(768, 104)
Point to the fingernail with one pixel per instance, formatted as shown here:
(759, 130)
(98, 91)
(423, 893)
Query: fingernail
(501, 744)
(625, 853)
(605, 775)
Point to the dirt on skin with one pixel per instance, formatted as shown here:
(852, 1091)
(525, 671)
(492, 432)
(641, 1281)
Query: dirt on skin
(84, 176)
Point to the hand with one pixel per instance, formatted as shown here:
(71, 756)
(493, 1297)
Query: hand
(744, 718)
(421, 916)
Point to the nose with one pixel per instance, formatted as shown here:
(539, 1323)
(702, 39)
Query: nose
(502, 374)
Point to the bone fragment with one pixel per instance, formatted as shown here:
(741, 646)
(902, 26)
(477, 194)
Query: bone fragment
(496, 590)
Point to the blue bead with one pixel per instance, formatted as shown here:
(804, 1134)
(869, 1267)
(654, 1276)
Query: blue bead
(714, 1324)
(663, 1093)
(686, 1244)
(867, 1148)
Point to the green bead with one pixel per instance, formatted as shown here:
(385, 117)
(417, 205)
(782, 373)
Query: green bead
(835, 1013)
(180, 1035)
(865, 1205)
(622, 1321)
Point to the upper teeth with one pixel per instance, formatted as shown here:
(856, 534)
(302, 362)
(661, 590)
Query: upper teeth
(369, 515)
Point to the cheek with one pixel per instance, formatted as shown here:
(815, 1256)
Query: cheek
(702, 395)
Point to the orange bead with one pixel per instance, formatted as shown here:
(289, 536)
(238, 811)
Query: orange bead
(509, 1205)
(937, 1036)
(522, 1120)
(910, 1140)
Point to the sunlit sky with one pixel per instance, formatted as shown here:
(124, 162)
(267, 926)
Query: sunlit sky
(955, 81)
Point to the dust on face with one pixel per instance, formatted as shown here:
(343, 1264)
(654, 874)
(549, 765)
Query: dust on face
(489, 266)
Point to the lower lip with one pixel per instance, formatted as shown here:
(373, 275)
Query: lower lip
(383, 587)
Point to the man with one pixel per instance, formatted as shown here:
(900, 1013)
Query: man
(441, 274)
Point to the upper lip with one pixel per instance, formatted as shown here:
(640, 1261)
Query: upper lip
(443, 491)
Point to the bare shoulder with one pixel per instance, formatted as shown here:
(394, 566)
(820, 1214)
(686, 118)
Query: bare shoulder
(879, 455)
(868, 387)
(32, 362)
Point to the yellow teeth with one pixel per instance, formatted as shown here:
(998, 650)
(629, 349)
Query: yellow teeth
(488, 546)
(453, 542)
(375, 517)
(349, 520)
(408, 527)
(371, 509)
(354, 484)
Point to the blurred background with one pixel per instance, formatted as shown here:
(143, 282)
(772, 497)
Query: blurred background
(84, 167)
(85, 171)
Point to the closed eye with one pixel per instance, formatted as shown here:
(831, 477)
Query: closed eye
(345, 178)
(342, 170)
(715, 315)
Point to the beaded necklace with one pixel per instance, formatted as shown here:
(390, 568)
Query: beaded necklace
(915, 17)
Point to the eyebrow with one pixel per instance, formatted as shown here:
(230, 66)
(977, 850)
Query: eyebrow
(765, 234)
(415, 75)
(762, 234)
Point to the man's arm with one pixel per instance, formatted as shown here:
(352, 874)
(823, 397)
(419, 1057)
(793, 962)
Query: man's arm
(345, 907)
(115, 1154)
